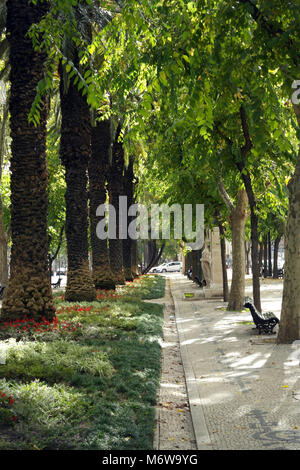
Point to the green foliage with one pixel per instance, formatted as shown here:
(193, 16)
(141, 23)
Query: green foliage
(5, 194)
(56, 179)
(32, 359)
(181, 72)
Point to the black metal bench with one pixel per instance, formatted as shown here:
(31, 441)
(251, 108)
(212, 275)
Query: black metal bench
(2, 289)
(280, 273)
(56, 284)
(264, 322)
(200, 283)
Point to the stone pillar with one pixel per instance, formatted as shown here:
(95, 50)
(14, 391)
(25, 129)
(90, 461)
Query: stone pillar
(216, 260)
(212, 252)
(183, 270)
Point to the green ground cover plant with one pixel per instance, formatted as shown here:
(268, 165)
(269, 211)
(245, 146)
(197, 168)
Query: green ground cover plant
(88, 380)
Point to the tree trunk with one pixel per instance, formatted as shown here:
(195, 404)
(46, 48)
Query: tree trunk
(98, 172)
(75, 152)
(151, 255)
(253, 209)
(3, 250)
(3, 234)
(115, 189)
(195, 261)
(53, 257)
(127, 242)
(29, 290)
(184, 265)
(255, 260)
(260, 256)
(254, 239)
(265, 256)
(275, 257)
(134, 258)
(247, 253)
(289, 329)
(188, 261)
(156, 255)
(269, 255)
(238, 220)
(223, 257)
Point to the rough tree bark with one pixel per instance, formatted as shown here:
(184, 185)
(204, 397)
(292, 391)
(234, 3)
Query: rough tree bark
(289, 329)
(127, 242)
(3, 234)
(98, 172)
(29, 290)
(134, 243)
(238, 218)
(75, 152)
(115, 189)
(3, 249)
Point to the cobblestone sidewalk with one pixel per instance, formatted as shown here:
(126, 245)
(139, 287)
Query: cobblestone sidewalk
(243, 389)
(174, 428)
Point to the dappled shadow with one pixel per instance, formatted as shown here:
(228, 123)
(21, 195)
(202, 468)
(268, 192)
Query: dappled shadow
(247, 383)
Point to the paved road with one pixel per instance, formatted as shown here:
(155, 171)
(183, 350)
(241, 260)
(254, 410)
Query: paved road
(244, 390)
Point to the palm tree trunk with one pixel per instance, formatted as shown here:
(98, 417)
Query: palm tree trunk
(3, 249)
(75, 151)
(115, 189)
(134, 243)
(29, 290)
(127, 242)
(98, 171)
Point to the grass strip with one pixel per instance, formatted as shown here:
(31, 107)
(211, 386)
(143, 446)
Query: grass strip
(90, 385)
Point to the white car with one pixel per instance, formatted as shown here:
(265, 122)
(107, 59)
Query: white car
(171, 267)
(157, 269)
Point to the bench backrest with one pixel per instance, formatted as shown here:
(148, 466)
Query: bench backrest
(256, 317)
(261, 318)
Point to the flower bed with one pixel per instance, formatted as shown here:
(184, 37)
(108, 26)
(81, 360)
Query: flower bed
(30, 325)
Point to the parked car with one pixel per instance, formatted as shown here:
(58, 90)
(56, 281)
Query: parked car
(173, 266)
(157, 269)
(60, 273)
